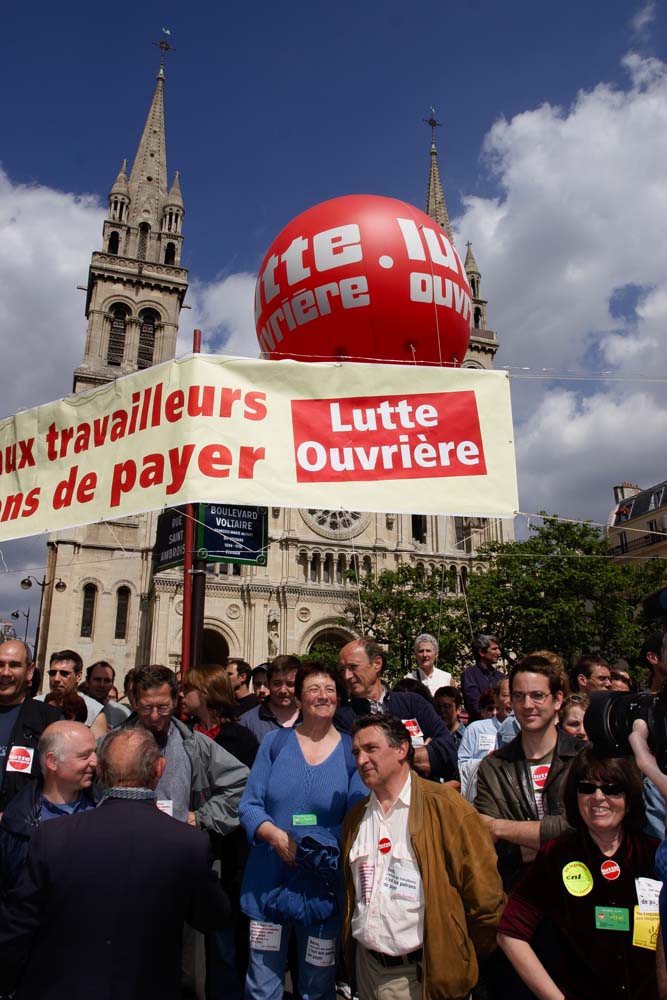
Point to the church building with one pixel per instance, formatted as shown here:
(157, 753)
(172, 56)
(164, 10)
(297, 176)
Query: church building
(115, 607)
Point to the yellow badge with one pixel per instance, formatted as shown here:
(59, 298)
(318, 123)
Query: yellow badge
(645, 933)
(577, 879)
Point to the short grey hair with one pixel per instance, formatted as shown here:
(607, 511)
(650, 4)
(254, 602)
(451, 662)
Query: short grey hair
(53, 740)
(128, 758)
(431, 640)
(26, 649)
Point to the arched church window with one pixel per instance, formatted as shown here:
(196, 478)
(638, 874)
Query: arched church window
(116, 348)
(478, 318)
(142, 245)
(148, 321)
(88, 610)
(122, 610)
(170, 254)
(113, 242)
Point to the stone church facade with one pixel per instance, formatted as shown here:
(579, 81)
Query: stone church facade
(115, 607)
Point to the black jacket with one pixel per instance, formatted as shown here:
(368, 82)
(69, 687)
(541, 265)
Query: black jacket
(98, 910)
(32, 720)
(19, 821)
(442, 748)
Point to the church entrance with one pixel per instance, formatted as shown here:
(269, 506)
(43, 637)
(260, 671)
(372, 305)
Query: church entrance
(214, 647)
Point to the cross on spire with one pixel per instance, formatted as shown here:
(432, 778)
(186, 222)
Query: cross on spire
(434, 123)
(164, 46)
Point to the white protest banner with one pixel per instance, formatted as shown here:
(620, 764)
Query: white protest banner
(282, 433)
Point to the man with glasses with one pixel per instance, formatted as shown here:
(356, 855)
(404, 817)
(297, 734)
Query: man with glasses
(22, 720)
(590, 673)
(201, 783)
(65, 673)
(520, 786)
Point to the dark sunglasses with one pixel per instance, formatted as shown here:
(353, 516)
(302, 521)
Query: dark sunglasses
(589, 788)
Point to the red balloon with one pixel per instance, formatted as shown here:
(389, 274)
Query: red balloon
(366, 278)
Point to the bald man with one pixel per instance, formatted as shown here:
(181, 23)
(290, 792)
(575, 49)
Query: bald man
(67, 760)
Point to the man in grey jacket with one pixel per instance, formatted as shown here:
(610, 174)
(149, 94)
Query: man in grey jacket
(201, 783)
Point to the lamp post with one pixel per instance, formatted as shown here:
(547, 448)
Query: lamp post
(26, 615)
(26, 584)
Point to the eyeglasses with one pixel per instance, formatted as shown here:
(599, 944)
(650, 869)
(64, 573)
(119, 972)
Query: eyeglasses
(589, 788)
(60, 673)
(537, 697)
(149, 709)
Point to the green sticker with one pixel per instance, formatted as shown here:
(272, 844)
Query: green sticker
(612, 918)
(577, 879)
(304, 819)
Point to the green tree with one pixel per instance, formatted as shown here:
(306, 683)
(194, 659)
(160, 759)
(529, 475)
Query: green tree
(560, 589)
(397, 606)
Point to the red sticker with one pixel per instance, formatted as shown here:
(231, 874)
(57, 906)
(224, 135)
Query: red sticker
(20, 759)
(384, 845)
(540, 775)
(610, 870)
(413, 727)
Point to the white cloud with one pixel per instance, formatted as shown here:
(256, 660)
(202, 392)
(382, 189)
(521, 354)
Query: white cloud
(47, 237)
(223, 310)
(643, 19)
(580, 217)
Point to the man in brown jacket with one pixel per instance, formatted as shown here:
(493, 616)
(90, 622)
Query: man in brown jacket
(423, 895)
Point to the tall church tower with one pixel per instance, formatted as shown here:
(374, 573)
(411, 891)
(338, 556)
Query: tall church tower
(136, 287)
(483, 342)
(136, 284)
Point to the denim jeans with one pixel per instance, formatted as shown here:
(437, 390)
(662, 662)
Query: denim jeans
(266, 969)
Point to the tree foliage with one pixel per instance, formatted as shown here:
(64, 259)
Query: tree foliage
(397, 606)
(560, 589)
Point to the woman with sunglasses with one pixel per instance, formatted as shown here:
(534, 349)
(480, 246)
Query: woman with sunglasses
(583, 884)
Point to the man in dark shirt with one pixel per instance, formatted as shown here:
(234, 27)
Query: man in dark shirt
(239, 673)
(22, 720)
(362, 662)
(482, 675)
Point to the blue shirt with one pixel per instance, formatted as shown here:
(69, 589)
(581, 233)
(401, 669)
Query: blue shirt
(279, 791)
(479, 739)
(53, 810)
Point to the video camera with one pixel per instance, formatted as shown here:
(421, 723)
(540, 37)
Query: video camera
(611, 714)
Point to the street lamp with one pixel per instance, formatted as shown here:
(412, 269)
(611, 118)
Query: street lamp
(26, 584)
(26, 615)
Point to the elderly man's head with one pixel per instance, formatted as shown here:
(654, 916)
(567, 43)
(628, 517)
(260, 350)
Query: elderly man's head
(16, 670)
(67, 758)
(130, 758)
(362, 662)
(426, 652)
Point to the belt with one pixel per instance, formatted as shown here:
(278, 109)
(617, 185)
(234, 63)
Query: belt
(391, 961)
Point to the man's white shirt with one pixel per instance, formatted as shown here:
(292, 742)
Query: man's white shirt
(389, 911)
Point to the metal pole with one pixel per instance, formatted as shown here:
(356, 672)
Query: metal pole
(27, 622)
(187, 637)
(198, 602)
(42, 587)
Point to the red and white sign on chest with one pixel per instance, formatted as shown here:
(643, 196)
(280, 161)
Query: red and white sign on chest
(20, 759)
(611, 870)
(540, 775)
(415, 730)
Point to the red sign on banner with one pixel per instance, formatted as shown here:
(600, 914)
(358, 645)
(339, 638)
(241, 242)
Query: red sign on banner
(370, 438)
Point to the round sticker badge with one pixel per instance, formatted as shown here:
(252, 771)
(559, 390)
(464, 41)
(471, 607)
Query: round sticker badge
(611, 870)
(19, 759)
(577, 879)
(384, 845)
(540, 775)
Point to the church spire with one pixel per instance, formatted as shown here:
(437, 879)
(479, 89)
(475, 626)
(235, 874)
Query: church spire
(148, 180)
(436, 205)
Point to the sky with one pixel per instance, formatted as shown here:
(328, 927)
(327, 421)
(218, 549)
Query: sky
(552, 152)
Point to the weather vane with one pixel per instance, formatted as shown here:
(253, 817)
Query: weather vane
(164, 46)
(434, 123)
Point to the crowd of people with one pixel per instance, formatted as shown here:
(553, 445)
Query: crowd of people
(304, 823)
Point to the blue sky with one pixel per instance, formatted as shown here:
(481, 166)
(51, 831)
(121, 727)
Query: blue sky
(552, 153)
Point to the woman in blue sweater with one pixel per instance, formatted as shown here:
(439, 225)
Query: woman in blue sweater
(303, 781)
